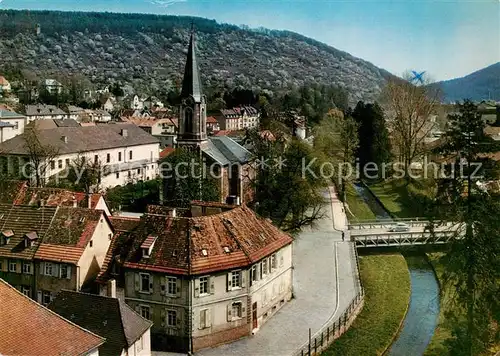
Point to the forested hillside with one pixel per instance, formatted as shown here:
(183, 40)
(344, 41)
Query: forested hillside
(146, 53)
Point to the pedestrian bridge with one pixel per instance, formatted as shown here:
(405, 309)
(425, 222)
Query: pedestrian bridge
(421, 232)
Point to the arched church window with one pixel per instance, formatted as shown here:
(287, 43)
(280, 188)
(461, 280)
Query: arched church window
(188, 120)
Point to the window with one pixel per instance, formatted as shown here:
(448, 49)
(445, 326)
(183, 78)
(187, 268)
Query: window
(204, 319)
(172, 285)
(235, 279)
(117, 175)
(52, 164)
(138, 171)
(63, 269)
(91, 243)
(274, 265)
(264, 297)
(12, 266)
(119, 156)
(140, 344)
(144, 282)
(67, 162)
(236, 310)
(204, 285)
(59, 163)
(264, 266)
(145, 312)
(16, 125)
(171, 318)
(1, 265)
(96, 158)
(26, 291)
(129, 154)
(47, 297)
(27, 268)
(108, 158)
(254, 273)
(48, 269)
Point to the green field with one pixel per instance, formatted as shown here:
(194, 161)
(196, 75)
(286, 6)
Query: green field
(401, 199)
(358, 209)
(387, 293)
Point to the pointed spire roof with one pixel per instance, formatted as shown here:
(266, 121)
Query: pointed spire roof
(191, 84)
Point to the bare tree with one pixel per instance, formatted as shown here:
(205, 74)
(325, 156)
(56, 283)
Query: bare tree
(409, 108)
(85, 174)
(41, 154)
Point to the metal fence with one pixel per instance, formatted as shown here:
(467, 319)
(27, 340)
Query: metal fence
(334, 329)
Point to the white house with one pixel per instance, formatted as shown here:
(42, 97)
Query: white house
(11, 124)
(43, 112)
(137, 103)
(53, 86)
(4, 85)
(125, 152)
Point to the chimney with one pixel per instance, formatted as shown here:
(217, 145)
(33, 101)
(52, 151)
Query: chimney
(124, 132)
(111, 288)
(75, 202)
(65, 139)
(89, 201)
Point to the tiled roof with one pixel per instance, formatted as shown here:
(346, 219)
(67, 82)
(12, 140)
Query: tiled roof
(211, 120)
(57, 197)
(225, 150)
(22, 220)
(178, 249)
(29, 328)
(119, 247)
(59, 253)
(105, 316)
(124, 224)
(84, 138)
(73, 227)
(40, 109)
(8, 114)
(166, 152)
(150, 240)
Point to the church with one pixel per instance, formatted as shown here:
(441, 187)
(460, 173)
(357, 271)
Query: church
(231, 159)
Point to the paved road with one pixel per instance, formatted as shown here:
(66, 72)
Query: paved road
(316, 251)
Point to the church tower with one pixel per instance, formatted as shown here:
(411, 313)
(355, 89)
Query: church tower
(192, 129)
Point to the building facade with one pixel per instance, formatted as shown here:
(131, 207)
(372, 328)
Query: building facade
(204, 280)
(15, 124)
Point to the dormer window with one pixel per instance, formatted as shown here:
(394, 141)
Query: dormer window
(30, 238)
(6, 236)
(204, 252)
(226, 249)
(147, 246)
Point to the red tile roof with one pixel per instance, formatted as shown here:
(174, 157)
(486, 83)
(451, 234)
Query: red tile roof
(181, 241)
(57, 197)
(166, 152)
(29, 328)
(150, 240)
(124, 224)
(59, 253)
(211, 120)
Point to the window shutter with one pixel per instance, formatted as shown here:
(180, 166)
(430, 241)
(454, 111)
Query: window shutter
(196, 287)
(150, 284)
(137, 281)
(39, 296)
(212, 285)
(69, 272)
(242, 275)
(203, 321)
(243, 309)
(229, 279)
(178, 316)
(208, 318)
(178, 287)
(51, 296)
(258, 271)
(163, 286)
(42, 268)
(281, 259)
(229, 307)
(55, 270)
(151, 312)
(18, 267)
(163, 318)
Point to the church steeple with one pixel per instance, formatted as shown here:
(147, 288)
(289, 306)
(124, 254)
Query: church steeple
(192, 112)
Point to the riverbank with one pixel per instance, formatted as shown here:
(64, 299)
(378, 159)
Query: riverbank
(357, 209)
(387, 293)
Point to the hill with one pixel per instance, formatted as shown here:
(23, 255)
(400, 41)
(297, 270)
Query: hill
(483, 84)
(147, 53)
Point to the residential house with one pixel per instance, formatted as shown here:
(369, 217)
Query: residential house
(203, 280)
(125, 331)
(53, 86)
(44, 112)
(137, 103)
(152, 103)
(226, 156)
(4, 85)
(46, 249)
(74, 112)
(30, 328)
(108, 103)
(163, 129)
(97, 115)
(239, 118)
(212, 125)
(125, 152)
(7, 127)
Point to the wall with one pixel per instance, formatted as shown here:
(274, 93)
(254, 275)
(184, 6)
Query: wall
(18, 278)
(145, 350)
(54, 283)
(8, 132)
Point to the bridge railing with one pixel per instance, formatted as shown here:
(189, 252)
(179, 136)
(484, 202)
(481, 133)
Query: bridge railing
(405, 238)
(390, 223)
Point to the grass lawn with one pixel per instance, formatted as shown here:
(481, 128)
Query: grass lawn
(357, 206)
(399, 198)
(387, 287)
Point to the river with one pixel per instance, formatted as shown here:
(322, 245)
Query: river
(423, 312)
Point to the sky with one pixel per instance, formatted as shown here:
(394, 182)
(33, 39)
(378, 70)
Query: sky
(445, 38)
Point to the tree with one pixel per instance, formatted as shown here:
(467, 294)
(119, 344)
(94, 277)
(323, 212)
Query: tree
(185, 179)
(40, 154)
(287, 180)
(336, 137)
(472, 267)
(85, 174)
(408, 108)
(374, 143)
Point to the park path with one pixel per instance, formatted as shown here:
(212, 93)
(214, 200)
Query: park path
(324, 280)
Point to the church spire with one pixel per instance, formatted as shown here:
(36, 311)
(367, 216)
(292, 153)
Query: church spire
(191, 84)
